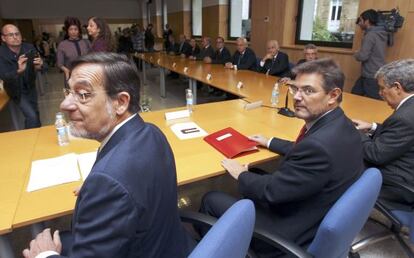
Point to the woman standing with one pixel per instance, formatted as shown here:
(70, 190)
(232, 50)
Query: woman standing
(73, 46)
(100, 35)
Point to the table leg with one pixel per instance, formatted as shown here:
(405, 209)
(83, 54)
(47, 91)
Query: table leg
(162, 82)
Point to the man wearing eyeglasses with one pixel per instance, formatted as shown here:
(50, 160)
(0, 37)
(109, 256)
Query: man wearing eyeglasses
(127, 206)
(316, 170)
(390, 145)
(18, 64)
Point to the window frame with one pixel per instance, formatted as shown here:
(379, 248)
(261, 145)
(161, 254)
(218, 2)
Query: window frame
(192, 21)
(229, 37)
(299, 41)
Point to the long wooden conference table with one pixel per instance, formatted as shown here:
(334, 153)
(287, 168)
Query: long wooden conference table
(195, 159)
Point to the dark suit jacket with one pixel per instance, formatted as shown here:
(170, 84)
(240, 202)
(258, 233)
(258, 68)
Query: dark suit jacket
(195, 51)
(391, 149)
(127, 206)
(314, 173)
(204, 52)
(183, 48)
(278, 66)
(221, 57)
(247, 61)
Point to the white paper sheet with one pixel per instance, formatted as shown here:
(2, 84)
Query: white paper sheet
(54, 171)
(187, 130)
(86, 161)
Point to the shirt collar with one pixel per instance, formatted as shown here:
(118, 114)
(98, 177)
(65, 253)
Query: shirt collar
(116, 128)
(404, 100)
(310, 124)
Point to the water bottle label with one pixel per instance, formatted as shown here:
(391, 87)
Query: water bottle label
(61, 131)
(189, 101)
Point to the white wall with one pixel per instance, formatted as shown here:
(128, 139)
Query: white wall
(46, 9)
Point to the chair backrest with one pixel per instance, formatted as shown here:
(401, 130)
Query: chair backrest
(347, 217)
(231, 234)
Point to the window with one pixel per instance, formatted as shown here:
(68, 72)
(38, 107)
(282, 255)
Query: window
(327, 22)
(240, 19)
(196, 13)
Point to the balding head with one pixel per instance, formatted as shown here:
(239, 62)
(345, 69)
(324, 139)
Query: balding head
(272, 47)
(10, 35)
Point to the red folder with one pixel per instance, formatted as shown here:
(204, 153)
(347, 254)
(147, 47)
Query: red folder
(231, 143)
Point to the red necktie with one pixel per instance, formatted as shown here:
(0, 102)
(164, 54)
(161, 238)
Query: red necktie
(301, 134)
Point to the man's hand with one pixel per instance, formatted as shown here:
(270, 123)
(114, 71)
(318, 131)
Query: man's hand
(233, 167)
(260, 139)
(267, 56)
(207, 60)
(43, 242)
(182, 55)
(228, 65)
(362, 125)
(77, 190)
(38, 62)
(284, 80)
(21, 64)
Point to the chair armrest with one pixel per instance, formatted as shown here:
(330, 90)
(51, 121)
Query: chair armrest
(403, 185)
(197, 218)
(280, 243)
(387, 213)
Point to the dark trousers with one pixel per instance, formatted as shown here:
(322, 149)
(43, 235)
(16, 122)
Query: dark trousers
(28, 106)
(215, 204)
(66, 238)
(367, 87)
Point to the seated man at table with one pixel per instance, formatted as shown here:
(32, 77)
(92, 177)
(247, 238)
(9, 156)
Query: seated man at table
(390, 146)
(275, 62)
(127, 206)
(222, 54)
(244, 58)
(172, 47)
(316, 170)
(205, 51)
(310, 53)
(195, 49)
(184, 48)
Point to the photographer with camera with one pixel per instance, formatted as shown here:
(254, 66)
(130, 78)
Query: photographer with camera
(371, 55)
(18, 64)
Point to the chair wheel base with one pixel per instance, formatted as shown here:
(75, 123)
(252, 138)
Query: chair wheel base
(353, 255)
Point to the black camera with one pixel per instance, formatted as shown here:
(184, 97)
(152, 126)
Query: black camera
(390, 20)
(31, 54)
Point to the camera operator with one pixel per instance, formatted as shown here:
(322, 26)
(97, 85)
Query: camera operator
(18, 62)
(371, 55)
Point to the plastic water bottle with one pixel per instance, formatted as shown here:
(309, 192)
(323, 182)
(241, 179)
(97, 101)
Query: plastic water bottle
(61, 129)
(274, 100)
(189, 100)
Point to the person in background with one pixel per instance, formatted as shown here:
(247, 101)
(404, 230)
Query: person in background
(390, 146)
(149, 38)
(72, 46)
(206, 50)
(244, 58)
(310, 53)
(371, 55)
(18, 64)
(222, 54)
(275, 62)
(184, 48)
(125, 45)
(100, 35)
(195, 49)
(166, 35)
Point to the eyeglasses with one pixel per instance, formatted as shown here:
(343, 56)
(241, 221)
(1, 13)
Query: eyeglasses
(11, 34)
(79, 96)
(304, 91)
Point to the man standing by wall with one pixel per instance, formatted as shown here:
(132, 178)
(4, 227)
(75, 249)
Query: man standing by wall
(371, 55)
(18, 64)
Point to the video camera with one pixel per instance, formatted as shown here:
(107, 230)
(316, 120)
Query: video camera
(390, 20)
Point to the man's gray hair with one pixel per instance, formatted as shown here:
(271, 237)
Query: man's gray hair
(401, 71)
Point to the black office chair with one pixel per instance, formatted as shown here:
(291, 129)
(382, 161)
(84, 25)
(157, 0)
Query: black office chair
(398, 219)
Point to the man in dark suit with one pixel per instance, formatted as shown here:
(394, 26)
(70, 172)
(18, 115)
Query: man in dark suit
(316, 170)
(390, 146)
(244, 58)
(127, 207)
(206, 50)
(184, 48)
(275, 62)
(222, 54)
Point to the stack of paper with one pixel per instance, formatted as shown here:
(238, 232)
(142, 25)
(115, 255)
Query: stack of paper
(60, 170)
